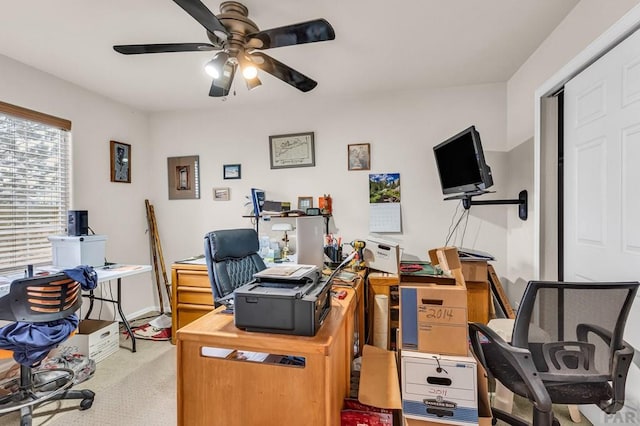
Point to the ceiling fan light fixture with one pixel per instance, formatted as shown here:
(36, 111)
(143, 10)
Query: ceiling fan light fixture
(215, 66)
(252, 83)
(249, 71)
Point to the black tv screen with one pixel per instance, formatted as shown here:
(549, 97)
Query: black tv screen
(461, 164)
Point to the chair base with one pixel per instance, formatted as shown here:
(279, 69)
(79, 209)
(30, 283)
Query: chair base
(33, 388)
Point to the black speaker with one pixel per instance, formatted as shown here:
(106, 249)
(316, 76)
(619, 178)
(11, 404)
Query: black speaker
(77, 223)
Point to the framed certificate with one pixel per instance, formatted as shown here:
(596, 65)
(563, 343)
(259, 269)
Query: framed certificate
(293, 150)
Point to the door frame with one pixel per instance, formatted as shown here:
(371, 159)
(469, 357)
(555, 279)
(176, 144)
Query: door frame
(545, 179)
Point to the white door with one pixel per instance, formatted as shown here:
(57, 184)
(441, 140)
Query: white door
(602, 174)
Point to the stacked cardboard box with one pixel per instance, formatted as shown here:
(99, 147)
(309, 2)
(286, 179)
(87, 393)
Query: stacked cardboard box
(438, 376)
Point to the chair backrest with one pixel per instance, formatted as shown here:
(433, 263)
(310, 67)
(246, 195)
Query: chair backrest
(232, 259)
(574, 329)
(41, 299)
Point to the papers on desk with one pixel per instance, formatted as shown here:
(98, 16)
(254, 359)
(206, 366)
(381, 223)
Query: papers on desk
(121, 268)
(194, 260)
(292, 272)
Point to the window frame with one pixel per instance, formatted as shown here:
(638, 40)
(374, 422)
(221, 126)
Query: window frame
(24, 242)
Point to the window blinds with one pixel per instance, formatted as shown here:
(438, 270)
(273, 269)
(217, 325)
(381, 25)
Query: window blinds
(34, 189)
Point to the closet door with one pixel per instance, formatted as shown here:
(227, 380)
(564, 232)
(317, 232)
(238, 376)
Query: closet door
(602, 172)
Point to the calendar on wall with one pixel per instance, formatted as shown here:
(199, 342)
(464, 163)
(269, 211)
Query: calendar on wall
(384, 202)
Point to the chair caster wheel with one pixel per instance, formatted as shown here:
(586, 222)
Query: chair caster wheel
(494, 421)
(85, 404)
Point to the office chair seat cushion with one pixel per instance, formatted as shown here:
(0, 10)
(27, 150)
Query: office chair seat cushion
(31, 342)
(559, 392)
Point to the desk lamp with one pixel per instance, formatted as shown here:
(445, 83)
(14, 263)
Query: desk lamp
(284, 227)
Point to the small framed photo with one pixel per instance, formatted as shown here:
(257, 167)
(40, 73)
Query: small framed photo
(231, 171)
(359, 156)
(305, 203)
(220, 194)
(293, 150)
(120, 154)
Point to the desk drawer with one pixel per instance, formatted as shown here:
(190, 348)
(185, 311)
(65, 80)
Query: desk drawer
(189, 313)
(195, 296)
(189, 278)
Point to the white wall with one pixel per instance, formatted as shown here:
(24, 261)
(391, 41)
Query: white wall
(585, 23)
(402, 129)
(115, 209)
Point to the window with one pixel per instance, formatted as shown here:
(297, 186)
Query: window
(34, 185)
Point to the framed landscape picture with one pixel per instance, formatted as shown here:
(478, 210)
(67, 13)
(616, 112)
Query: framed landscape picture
(231, 171)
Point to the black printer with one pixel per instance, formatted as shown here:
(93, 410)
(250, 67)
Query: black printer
(296, 304)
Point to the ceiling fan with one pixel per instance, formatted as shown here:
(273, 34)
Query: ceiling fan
(239, 40)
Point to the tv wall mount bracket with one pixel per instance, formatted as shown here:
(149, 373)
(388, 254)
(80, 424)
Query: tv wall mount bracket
(521, 201)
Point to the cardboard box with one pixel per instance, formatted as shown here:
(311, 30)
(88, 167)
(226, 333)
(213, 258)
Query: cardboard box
(475, 270)
(484, 408)
(380, 386)
(378, 392)
(382, 255)
(439, 388)
(69, 252)
(96, 339)
(433, 318)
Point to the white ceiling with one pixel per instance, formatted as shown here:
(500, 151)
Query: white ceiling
(379, 46)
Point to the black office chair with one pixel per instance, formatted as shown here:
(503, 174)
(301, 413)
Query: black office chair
(573, 354)
(232, 259)
(43, 310)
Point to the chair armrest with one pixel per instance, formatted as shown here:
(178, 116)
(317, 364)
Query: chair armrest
(621, 361)
(582, 330)
(519, 358)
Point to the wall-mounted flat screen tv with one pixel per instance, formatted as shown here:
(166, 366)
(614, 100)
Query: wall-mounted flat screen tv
(461, 164)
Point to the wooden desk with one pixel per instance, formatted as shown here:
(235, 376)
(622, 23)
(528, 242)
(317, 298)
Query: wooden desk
(191, 298)
(219, 391)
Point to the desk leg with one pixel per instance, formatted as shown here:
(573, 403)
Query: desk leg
(118, 303)
(124, 319)
(91, 298)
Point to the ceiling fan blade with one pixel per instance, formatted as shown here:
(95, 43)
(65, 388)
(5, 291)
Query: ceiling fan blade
(222, 85)
(204, 16)
(136, 49)
(283, 72)
(304, 32)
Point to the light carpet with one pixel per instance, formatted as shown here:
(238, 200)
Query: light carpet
(131, 389)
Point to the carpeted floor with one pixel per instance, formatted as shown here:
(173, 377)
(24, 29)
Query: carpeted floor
(131, 389)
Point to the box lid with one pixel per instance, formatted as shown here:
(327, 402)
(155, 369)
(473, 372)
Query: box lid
(81, 238)
(379, 384)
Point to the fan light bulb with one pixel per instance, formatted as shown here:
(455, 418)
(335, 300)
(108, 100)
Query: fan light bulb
(215, 66)
(211, 69)
(249, 72)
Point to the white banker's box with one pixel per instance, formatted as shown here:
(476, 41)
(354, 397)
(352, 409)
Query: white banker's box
(96, 339)
(439, 388)
(69, 252)
(382, 255)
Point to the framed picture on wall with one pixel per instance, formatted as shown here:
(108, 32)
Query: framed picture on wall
(293, 150)
(231, 171)
(120, 154)
(221, 194)
(359, 156)
(184, 177)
